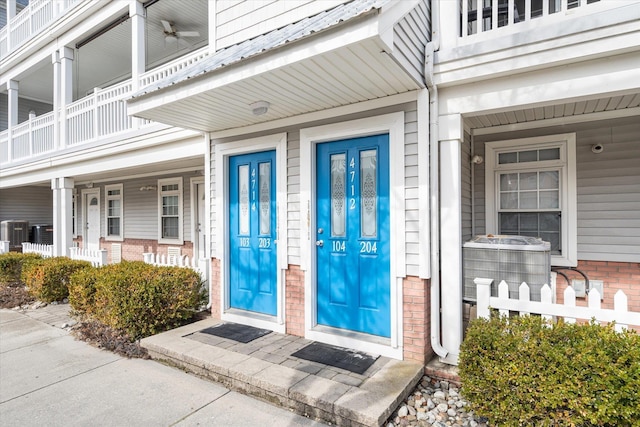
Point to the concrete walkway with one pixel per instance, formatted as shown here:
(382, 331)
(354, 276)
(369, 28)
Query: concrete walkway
(49, 378)
(266, 368)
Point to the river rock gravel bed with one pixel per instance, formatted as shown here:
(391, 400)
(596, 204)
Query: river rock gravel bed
(435, 403)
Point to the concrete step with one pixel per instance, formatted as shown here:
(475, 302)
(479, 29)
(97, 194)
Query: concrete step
(264, 368)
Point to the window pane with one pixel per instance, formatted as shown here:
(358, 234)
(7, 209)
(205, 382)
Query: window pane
(529, 222)
(509, 182)
(113, 226)
(528, 200)
(338, 194)
(243, 183)
(549, 154)
(114, 208)
(368, 193)
(529, 181)
(549, 180)
(506, 158)
(264, 179)
(170, 205)
(509, 200)
(170, 187)
(509, 223)
(549, 199)
(113, 192)
(528, 156)
(170, 228)
(550, 221)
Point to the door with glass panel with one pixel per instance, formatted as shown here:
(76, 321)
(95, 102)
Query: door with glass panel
(352, 236)
(252, 233)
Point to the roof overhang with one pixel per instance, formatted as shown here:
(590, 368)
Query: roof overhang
(348, 62)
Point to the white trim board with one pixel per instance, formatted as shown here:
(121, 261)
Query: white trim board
(276, 142)
(393, 124)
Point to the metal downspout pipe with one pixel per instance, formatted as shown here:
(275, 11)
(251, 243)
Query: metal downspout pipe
(434, 171)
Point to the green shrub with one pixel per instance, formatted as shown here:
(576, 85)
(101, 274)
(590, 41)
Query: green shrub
(47, 279)
(138, 298)
(12, 263)
(522, 371)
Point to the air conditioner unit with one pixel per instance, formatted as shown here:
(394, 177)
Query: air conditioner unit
(14, 231)
(514, 259)
(42, 234)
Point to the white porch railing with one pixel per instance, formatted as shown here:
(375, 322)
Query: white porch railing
(176, 261)
(4, 246)
(37, 248)
(569, 311)
(31, 20)
(495, 15)
(90, 119)
(97, 258)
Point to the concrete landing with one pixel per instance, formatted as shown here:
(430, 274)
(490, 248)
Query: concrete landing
(264, 368)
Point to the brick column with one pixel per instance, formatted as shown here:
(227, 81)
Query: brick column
(294, 301)
(416, 332)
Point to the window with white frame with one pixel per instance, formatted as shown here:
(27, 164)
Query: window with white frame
(170, 210)
(531, 191)
(113, 195)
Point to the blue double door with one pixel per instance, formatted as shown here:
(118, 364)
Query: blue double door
(352, 236)
(252, 233)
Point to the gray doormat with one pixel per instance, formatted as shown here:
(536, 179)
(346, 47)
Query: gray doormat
(338, 357)
(236, 332)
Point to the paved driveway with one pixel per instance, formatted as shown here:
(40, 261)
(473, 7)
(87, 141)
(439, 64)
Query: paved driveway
(47, 378)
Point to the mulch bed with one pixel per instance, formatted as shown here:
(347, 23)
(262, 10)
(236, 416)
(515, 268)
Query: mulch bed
(14, 295)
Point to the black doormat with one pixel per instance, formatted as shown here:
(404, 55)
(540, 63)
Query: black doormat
(339, 357)
(236, 332)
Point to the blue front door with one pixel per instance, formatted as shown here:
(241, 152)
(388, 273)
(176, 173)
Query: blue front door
(252, 232)
(352, 236)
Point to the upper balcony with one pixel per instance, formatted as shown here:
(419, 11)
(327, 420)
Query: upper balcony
(30, 20)
(492, 37)
(76, 99)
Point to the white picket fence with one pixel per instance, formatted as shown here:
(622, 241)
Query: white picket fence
(547, 309)
(176, 261)
(97, 257)
(37, 248)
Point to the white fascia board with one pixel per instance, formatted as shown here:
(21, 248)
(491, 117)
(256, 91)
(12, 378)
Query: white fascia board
(604, 42)
(585, 80)
(102, 158)
(124, 160)
(318, 44)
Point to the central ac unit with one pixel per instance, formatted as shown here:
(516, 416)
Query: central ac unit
(514, 259)
(14, 231)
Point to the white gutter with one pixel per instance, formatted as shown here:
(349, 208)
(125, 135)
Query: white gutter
(434, 171)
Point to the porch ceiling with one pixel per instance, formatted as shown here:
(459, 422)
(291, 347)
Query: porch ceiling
(627, 104)
(332, 67)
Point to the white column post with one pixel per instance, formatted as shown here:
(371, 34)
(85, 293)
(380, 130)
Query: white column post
(62, 215)
(55, 61)
(211, 9)
(12, 116)
(451, 136)
(137, 14)
(66, 90)
(11, 12)
(57, 227)
(449, 24)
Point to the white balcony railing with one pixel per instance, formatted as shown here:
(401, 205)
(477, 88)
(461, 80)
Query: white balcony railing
(496, 15)
(33, 19)
(87, 120)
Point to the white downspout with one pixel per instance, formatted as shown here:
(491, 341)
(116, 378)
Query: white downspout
(434, 171)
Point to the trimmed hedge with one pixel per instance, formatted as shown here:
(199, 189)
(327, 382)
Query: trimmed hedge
(12, 264)
(138, 298)
(523, 371)
(47, 279)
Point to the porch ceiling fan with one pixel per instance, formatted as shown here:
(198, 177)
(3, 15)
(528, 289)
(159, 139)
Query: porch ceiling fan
(171, 34)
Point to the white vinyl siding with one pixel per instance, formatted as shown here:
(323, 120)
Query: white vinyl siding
(24, 107)
(33, 204)
(466, 188)
(293, 197)
(411, 192)
(237, 21)
(411, 35)
(608, 199)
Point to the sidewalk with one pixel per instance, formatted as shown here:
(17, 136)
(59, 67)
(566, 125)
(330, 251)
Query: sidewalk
(49, 378)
